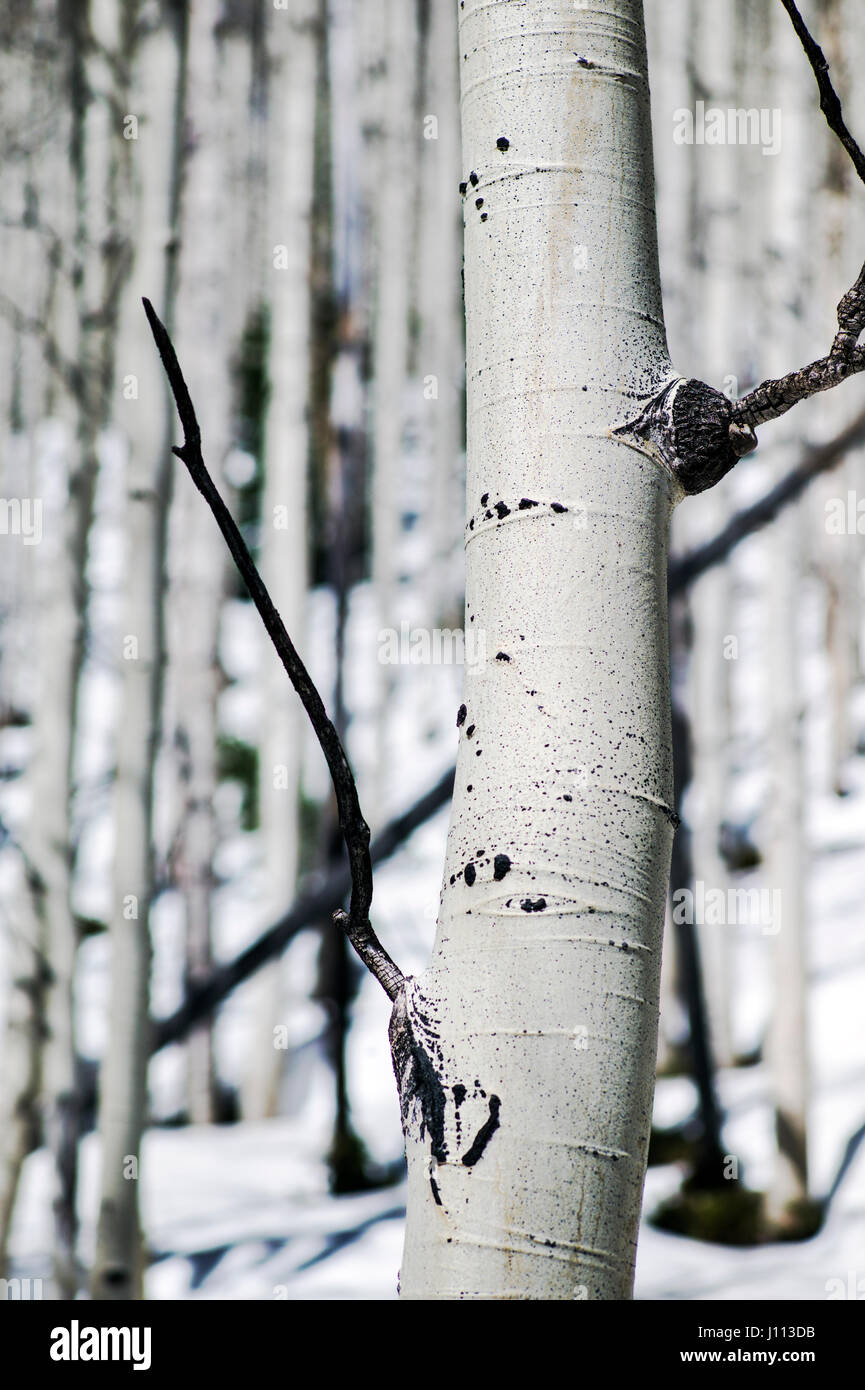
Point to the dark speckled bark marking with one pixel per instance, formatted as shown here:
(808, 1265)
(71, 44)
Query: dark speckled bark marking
(484, 1134)
(501, 866)
(470, 873)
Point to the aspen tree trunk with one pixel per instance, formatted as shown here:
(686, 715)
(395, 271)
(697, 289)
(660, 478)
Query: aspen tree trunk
(668, 38)
(22, 411)
(117, 1272)
(716, 171)
(790, 277)
(526, 1050)
(292, 43)
(838, 558)
(198, 556)
(85, 331)
(440, 299)
(395, 202)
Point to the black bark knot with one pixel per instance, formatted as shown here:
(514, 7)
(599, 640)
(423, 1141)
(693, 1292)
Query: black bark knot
(707, 442)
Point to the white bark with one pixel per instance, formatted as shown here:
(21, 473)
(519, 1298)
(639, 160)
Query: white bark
(541, 999)
(292, 45)
(117, 1271)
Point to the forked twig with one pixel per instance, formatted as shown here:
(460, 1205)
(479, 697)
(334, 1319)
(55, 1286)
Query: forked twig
(773, 398)
(355, 830)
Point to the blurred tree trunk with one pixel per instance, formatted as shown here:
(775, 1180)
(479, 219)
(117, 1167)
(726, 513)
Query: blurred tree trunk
(28, 271)
(789, 290)
(198, 563)
(395, 206)
(293, 38)
(24, 1027)
(526, 1050)
(85, 330)
(715, 206)
(157, 98)
(440, 303)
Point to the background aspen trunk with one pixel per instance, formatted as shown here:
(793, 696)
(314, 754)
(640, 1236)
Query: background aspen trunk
(526, 1050)
(292, 45)
(117, 1270)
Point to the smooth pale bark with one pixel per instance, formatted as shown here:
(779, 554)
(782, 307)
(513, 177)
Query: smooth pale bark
(528, 1097)
(117, 1271)
(292, 47)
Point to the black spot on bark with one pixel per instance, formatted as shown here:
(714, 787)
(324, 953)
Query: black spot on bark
(470, 873)
(473, 179)
(557, 507)
(502, 511)
(503, 143)
(502, 656)
(461, 715)
(539, 905)
(479, 202)
(470, 730)
(485, 499)
(501, 866)
(525, 503)
(484, 1134)
(463, 188)
(459, 1094)
(435, 1190)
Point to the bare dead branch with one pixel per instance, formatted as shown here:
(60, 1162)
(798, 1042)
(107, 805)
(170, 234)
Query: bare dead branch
(354, 828)
(830, 104)
(773, 398)
(776, 396)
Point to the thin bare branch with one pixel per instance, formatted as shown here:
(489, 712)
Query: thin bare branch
(830, 104)
(354, 828)
(776, 396)
(773, 398)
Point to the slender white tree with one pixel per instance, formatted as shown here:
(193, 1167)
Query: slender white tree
(292, 44)
(527, 1048)
(117, 1270)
